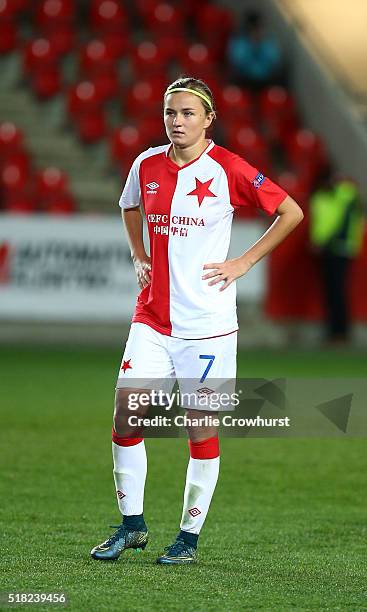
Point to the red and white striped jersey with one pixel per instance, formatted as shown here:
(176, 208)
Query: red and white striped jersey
(189, 212)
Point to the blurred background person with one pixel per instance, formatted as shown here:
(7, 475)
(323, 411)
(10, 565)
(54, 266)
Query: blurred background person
(255, 56)
(336, 233)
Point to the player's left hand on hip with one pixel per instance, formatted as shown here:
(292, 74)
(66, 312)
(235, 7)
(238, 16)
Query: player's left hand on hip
(226, 272)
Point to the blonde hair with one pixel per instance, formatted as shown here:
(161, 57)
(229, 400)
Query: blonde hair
(198, 87)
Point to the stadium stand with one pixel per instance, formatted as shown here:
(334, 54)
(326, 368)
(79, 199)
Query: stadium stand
(98, 70)
(25, 190)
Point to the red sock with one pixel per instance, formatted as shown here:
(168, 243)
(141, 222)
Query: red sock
(205, 449)
(124, 441)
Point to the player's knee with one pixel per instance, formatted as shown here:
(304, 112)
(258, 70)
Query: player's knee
(127, 402)
(123, 427)
(198, 434)
(119, 411)
(203, 430)
(121, 401)
(126, 406)
(118, 425)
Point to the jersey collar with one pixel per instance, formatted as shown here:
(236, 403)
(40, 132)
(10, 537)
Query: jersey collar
(211, 144)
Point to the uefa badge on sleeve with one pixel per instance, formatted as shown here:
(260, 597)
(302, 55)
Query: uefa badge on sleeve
(258, 180)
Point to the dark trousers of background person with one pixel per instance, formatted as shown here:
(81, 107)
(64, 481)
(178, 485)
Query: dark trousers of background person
(258, 86)
(335, 270)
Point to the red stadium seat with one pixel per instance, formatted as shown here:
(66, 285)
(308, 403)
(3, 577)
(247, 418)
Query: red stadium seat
(235, 103)
(145, 8)
(118, 43)
(275, 101)
(20, 203)
(63, 38)
(245, 141)
(126, 143)
(83, 98)
(14, 177)
(7, 10)
(304, 147)
(52, 191)
(95, 56)
(53, 13)
(22, 191)
(296, 185)
(18, 157)
(214, 25)
(144, 97)
(190, 8)
(21, 5)
(198, 60)
(164, 17)
(92, 126)
(213, 20)
(152, 130)
(8, 37)
(107, 16)
(98, 63)
(55, 22)
(147, 59)
(107, 84)
(51, 181)
(172, 46)
(130, 139)
(63, 204)
(38, 54)
(278, 113)
(11, 139)
(307, 155)
(47, 82)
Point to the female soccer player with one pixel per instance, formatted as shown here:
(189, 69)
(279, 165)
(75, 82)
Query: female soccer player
(185, 324)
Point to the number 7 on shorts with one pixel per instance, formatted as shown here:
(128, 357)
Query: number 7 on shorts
(206, 371)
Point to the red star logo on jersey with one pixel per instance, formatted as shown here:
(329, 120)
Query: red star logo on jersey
(126, 366)
(202, 190)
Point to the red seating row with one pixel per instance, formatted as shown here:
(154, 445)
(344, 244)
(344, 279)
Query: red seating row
(97, 60)
(251, 124)
(24, 190)
(10, 9)
(114, 13)
(166, 21)
(142, 103)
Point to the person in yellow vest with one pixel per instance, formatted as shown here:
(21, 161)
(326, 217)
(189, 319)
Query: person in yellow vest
(336, 231)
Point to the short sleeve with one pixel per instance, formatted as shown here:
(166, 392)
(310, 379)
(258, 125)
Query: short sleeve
(249, 187)
(131, 197)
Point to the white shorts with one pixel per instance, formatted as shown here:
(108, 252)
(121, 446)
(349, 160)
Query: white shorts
(198, 365)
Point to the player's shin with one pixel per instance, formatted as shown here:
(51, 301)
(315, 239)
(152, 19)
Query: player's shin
(130, 470)
(201, 479)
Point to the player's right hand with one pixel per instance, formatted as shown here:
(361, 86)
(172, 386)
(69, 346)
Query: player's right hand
(143, 271)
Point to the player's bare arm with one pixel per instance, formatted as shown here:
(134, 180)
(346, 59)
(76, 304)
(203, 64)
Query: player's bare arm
(289, 216)
(133, 222)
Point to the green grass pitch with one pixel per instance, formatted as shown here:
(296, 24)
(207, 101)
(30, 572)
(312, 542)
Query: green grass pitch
(286, 529)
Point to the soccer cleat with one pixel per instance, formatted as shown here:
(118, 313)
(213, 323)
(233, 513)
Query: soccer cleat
(119, 541)
(178, 553)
